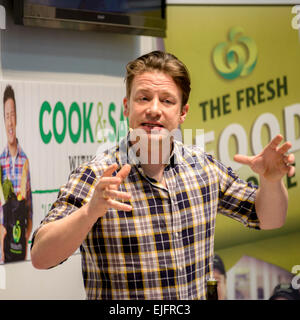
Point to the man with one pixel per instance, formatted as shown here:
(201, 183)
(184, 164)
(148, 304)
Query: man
(146, 228)
(14, 165)
(285, 291)
(220, 276)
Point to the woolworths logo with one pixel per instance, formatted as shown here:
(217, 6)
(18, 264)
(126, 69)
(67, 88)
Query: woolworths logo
(17, 232)
(237, 57)
(84, 122)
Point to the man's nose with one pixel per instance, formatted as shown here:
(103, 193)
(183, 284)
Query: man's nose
(154, 109)
(9, 120)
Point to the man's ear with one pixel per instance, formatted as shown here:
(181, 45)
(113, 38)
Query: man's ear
(126, 107)
(183, 113)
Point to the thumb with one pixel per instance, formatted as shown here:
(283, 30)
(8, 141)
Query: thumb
(242, 159)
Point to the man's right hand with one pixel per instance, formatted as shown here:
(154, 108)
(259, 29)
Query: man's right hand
(106, 193)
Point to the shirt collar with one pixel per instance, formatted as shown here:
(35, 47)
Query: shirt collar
(128, 155)
(7, 153)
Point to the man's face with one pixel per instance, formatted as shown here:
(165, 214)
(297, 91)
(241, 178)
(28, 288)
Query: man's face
(154, 103)
(222, 290)
(10, 121)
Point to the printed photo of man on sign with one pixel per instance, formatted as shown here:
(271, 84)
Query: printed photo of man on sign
(15, 189)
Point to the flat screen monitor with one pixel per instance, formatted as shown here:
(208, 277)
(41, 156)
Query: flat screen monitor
(139, 17)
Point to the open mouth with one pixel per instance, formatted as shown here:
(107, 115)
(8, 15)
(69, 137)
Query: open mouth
(152, 125)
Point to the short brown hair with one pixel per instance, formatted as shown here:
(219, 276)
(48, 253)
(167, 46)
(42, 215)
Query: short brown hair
(164, 62)
(9, 94)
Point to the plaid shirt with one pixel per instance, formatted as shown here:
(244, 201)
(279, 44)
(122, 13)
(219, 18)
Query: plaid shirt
(14, 173)
(163, 248)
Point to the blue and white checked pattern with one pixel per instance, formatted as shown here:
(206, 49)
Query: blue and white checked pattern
(14, 173)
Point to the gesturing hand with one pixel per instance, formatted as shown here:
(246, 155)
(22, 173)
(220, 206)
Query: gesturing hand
(273, 162)
(106, 191)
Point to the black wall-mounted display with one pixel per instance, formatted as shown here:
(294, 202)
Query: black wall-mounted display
(138, 17)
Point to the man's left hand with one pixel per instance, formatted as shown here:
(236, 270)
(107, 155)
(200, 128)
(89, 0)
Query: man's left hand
(272, 162)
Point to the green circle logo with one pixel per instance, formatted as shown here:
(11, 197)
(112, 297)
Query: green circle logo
(17, 232)
(235, 58)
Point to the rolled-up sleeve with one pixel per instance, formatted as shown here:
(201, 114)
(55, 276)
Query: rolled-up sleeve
(236, 197)
(72, 196)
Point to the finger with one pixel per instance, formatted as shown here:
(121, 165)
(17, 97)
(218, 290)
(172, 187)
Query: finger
(109, 193)
(284, 148)
(109, 170)
(107, 181)
(291, 171)
(123, 173)
(291, 158)
(288, 161)
(283, 167)
(274, 143)
(118, 205)
(242, 159)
